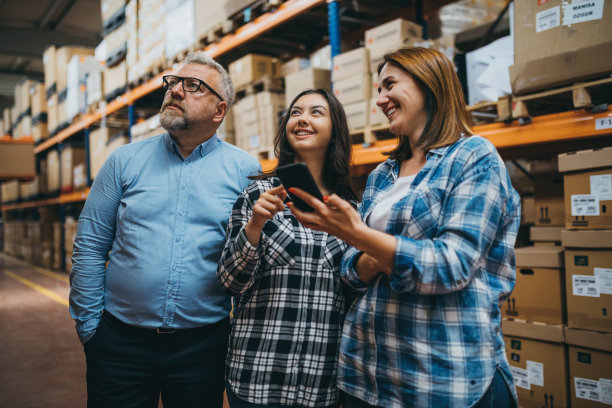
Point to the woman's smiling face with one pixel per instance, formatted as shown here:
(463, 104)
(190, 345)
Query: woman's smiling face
(310, 126)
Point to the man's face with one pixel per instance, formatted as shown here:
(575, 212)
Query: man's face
(182, 110)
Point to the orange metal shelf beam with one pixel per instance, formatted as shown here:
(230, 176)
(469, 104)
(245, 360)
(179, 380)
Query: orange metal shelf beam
(62, 199)
(260, 25)
(557, 127)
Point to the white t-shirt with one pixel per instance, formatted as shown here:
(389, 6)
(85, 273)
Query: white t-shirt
(380, 214)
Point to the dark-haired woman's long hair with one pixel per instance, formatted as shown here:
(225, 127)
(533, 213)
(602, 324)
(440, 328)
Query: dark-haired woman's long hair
(337, 165)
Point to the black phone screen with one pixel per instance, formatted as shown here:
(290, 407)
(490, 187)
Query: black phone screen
(298, 175)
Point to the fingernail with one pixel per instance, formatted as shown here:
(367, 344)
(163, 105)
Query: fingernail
(291, 189)
(289, 204)
(325, 198)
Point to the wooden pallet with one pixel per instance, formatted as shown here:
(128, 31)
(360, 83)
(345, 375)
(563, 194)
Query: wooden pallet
(262, 84)
(583, 95)
(371, 134)
(215, 33)
(154, 69)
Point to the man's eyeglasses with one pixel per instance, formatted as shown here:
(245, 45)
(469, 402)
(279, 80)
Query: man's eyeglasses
(189, 84)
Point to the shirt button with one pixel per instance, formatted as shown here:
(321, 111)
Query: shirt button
(174, 268)
(181, 212)
(178, 240)
(183, 187)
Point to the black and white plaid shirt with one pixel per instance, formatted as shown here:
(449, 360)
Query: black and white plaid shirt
(289, 307)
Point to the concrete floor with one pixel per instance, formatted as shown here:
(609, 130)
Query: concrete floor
(41, 359)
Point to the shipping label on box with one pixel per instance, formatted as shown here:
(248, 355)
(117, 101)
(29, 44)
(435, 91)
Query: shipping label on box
(590, 377)
(588, 196)
(539, 371)
(589, 288)
(354, 89)
(351, 63)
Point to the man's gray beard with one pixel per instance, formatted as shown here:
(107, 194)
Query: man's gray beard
(172, 120)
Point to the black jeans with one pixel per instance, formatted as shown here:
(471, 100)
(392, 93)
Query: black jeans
(129, 366)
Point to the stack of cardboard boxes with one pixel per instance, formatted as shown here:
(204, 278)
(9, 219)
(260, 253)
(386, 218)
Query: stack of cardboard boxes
(557, 326)
(587, 240)
(352, 85)
(102, 142)
(114, 48)
(255, 116)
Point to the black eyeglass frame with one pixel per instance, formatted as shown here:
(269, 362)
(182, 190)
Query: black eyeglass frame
(182, 81)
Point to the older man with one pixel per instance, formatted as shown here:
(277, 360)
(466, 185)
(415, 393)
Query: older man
(155, 320)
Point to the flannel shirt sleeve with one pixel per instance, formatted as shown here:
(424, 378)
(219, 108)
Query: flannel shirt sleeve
(239, 259)
(473, 212)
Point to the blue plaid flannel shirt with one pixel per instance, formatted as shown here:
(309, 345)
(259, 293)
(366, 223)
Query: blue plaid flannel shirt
(430, 334)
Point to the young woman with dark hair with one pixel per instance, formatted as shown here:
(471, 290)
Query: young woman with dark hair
(289, 302)
(432, 252)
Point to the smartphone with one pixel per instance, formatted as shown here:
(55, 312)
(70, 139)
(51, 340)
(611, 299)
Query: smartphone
(298, 175)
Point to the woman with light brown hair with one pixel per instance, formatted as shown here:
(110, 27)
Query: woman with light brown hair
(432, 252)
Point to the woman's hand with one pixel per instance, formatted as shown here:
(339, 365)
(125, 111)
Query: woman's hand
(334, 216)
(337, 217)
(267, 205)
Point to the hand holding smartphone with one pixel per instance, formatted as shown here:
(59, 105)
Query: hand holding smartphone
(298, 175)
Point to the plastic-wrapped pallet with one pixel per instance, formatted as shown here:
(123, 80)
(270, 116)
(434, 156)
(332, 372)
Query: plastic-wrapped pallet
(79, 68)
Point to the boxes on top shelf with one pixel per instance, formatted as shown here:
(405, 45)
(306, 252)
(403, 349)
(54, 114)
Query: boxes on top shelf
(111, 11)
(305, 79)
(79, 68)
(587, 178)
(389, 36)
(590, 358)
(116, 45)
(252, 67)
(351, 63)
(321, 58)
(588, 263)
(294, 65)
(63, 55)
(50, 71)
(558, 42)
(353, 89)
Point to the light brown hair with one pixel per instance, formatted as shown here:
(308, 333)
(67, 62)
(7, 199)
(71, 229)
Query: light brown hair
(447, 117)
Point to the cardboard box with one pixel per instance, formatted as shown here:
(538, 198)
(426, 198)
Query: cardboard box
(306, 79)
(321, 58)
(539, 293)
(53, 171)
(79, 68)
(114, 79)
(69, 158)
(98, 152)
(252, 67)
(357, 115)
(589, 280)
(587, 179)
(376, 116)
(52, 113)
(62, 59)
(557, 43)
(110, 8)
(353, 89)
(390, 36)
(49, 68)
(586, 239)
(548, 194)
(539, 366)
(351, 63)
(590, 359)
(17, 159)
(545, 234)
(294, 65)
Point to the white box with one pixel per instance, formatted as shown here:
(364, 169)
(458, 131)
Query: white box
(353, 89)
(351, 63)
(357, 115)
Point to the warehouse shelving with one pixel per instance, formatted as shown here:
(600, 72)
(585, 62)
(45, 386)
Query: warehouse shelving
(558, 131)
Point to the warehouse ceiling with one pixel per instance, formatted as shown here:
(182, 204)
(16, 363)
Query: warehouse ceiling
(27, 27)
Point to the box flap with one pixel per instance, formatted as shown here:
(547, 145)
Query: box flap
(589, 339)
(545, 233)
(585, 159)
(539, 257)
(533, 330)
(586, 239)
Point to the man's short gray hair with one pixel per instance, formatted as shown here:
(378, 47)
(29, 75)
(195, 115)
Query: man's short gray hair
(227, 86)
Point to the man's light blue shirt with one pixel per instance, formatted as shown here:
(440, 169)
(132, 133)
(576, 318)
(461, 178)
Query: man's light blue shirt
(159, 219)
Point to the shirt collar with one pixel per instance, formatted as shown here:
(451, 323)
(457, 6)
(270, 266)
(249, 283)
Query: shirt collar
(202, 149)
